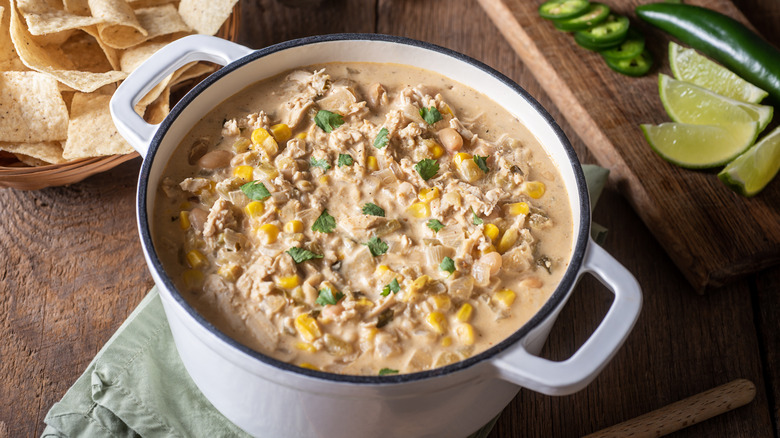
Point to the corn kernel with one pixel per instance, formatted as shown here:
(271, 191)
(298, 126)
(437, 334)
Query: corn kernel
(368, 335)
(230, 272)
(437, 321)
(507, 240)
(464, 313)
(491, 232)
(382, 269)
(262, 140)
(281, 132)
(518, 208)
(254, 208)
(535, 189)
(461, 157)
(192, 278)
(211, 185)
(371, 163)
(241, 145)
(434, 148)
(448, 110)
(308, 366)
(419, 210)
(308, 327)
(505, 296)
(305, 346)
(184, 220)
(441, 301)
(469, 170)
(244, 172)
(259, 135)
(323, 179)
(185, 205)
(446, 341)
(196, 259)
(294, 226)
(428, 195)
(416, 287)
(301, 136)
(290, 282)
(269, 232)
(487, 250)
(364, 302)
(465, 334)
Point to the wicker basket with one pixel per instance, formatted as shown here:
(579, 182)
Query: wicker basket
(17, 175)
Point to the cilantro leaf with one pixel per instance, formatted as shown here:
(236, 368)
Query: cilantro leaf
(431, 115)
(345, 160)
(300, 255)
(255, 190)
(475, 219)
(435, 225)
(328, 121)
(381, 139)
(393, 287)
(376, 246)
(481, 163)
(325, 223)
(328, 297)
(386, 371)
(447, 264)
(322, 164)
(373, 210)
(427, 168)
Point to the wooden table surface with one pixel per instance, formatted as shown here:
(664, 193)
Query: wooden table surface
(71, 267)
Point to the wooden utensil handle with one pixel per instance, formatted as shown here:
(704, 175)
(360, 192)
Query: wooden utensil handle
(684, 413)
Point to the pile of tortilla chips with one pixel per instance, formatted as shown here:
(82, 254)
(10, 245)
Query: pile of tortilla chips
(60, 61)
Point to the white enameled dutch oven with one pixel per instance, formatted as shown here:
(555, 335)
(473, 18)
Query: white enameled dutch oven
(269, 398)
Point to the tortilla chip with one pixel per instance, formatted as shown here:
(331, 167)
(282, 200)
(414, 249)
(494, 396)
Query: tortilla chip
(206, 17)
(195, 71)
(85, 53)
(111, 54)
(77, 7)
(31, 108)
(55, 38)
(161, 20)
(44, 18)
(137, 4)
(49, 152)
(159, 109)
(51, 60)
(9, 60)
(91, 132)
(121, 29)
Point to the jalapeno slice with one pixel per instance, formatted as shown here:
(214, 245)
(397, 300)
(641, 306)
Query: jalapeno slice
(608, 33)
(595, 14)
(636, 66)
(633, 45)
(559, 9)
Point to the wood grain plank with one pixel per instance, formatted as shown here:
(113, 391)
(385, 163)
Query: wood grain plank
(686, 210)
(72, 271)
(767, 305)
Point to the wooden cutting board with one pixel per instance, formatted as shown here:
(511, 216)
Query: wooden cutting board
(711, 233)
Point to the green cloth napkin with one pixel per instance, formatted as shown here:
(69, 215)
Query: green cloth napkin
(137, 386)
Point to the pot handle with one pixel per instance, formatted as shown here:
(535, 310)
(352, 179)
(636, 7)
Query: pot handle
(164, 62)
(518, 366)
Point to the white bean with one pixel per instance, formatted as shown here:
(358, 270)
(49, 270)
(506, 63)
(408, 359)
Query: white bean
(215, 159)
(450, 139)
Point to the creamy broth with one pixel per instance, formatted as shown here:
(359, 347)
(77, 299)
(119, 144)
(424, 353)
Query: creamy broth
(426, 226)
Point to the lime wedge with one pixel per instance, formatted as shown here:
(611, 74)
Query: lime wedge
(689, 66)
(752, 171)
(688, 103)
(700, 146)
